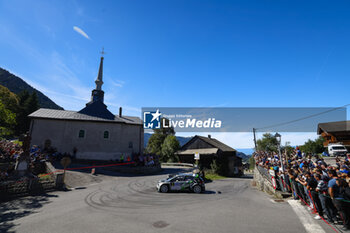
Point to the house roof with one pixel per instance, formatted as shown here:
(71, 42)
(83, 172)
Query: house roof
(54, 114)
(212, 141)
(332, 127)
(205, 151)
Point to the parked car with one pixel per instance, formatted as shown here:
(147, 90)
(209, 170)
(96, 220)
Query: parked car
(337, 150)
(182, 182)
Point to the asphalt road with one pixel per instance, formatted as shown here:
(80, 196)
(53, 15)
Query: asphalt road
(131, 204)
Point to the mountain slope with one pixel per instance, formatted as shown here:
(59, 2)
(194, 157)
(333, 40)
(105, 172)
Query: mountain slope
(17, 85)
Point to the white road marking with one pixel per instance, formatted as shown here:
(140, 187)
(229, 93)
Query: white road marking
(305, 218)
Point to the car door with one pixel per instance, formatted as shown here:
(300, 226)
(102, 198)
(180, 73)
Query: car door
(188, 182)
(176, 183)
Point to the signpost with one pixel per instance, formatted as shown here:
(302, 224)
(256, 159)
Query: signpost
(273, 179)
(196, 156)
(65, 161)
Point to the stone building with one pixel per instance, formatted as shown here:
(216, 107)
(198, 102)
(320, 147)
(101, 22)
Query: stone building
(94, 133)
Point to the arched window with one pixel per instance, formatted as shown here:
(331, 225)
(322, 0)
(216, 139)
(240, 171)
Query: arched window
(106, 134)
(81, 133)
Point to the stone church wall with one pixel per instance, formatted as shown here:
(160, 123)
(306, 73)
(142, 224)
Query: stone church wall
(124, 139)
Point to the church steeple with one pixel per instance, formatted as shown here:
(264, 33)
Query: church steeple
(96, 107)
(97, 93)
(99, 81)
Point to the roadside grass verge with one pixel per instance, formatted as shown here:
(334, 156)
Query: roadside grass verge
(44, 177)
(209, 176)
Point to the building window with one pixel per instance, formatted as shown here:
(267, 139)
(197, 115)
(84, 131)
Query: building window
(130, 145)
(81, 133)
(106, 134)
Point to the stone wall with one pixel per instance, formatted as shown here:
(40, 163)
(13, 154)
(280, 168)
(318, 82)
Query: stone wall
(56, 176)
(263, 182)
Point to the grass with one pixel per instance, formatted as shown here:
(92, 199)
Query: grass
(44, 177)
(213, 176)
(18, 142)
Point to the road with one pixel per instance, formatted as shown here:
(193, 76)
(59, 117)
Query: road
(129, 204)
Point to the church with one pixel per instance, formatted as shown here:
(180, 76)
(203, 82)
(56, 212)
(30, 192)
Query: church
(93, 133)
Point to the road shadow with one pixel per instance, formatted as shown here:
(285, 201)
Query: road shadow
(108, 171)
(192, 193)
(248, 176)
(209, 192)
(19, 208)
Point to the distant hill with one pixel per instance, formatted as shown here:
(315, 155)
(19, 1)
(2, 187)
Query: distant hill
(243, 156)
(182, 140)
(16, 85)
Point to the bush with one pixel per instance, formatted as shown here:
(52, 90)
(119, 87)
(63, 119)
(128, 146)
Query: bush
(251, 163)
(219, 166)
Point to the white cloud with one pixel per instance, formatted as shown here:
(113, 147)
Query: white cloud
(117, 83)
(81, 32)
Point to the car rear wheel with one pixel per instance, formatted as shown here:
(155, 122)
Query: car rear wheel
(197, 189)
(164, 188)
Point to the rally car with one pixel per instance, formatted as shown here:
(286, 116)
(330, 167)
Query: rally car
(182, 182)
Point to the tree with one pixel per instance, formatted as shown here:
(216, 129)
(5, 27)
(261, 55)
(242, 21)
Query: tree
(169, 147)
(156, 140)
(9, 107)
(251, 163)
(9, 99)
(154, 145)
(28, 103)
(267, 143)
(313, 147)
(7, 120)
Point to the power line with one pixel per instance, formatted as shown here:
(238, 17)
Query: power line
(303, 118)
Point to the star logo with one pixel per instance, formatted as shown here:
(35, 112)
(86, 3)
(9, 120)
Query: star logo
(151, 120)
(156, 115)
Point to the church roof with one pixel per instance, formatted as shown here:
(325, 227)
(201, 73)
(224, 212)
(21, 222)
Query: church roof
(97, 109)
(54, 114)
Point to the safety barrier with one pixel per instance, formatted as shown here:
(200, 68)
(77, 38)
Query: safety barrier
(308, 197)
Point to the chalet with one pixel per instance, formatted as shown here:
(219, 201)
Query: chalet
(210, 149)
(335, 132)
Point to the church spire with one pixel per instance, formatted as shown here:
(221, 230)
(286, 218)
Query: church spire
(99, 81)
(97, 93)
(96, 107)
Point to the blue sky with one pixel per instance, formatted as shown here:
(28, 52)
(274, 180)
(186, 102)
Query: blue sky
(181, 53)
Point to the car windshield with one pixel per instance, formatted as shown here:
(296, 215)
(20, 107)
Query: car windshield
(338, 148)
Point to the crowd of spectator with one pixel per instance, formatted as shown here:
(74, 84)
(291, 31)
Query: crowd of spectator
(146, 160)
(325, 188)
(11, 152)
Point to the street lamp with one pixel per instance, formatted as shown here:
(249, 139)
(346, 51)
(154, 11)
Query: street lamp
(278, 138)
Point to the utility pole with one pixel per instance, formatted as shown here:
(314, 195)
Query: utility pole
(254, 139)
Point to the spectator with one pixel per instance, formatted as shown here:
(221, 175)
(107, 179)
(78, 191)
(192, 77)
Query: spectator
(325, 188)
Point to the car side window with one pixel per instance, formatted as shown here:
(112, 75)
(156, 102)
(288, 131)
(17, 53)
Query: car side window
(179, 178)
(187, 178)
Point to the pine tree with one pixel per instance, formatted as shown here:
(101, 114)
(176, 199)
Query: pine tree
(28, 103)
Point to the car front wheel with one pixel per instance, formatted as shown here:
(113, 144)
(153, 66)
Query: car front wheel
(197, 189)
(164, 188)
